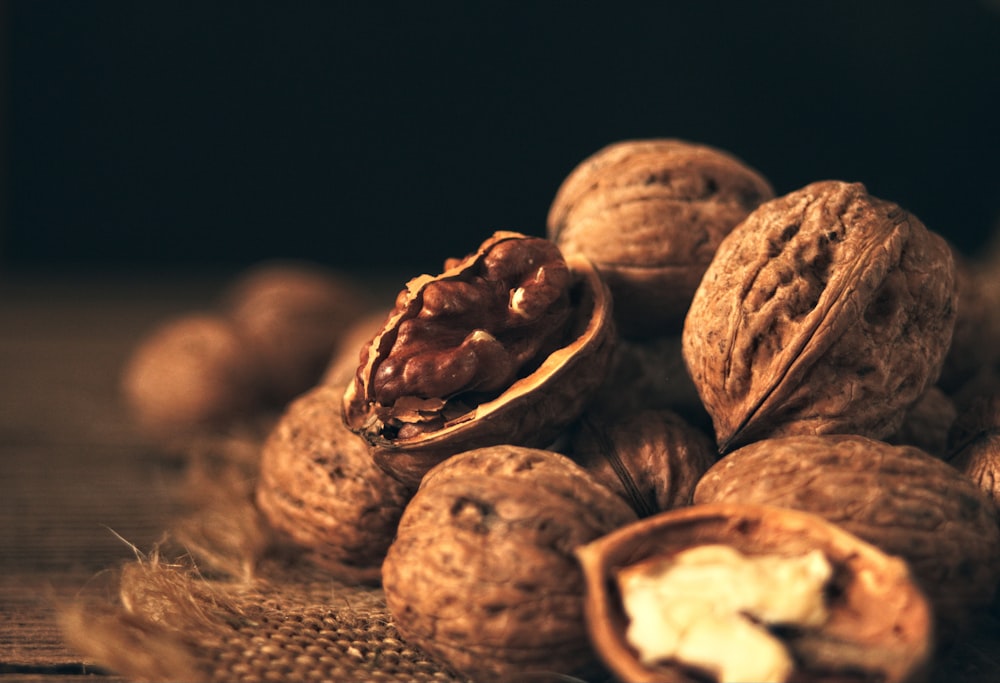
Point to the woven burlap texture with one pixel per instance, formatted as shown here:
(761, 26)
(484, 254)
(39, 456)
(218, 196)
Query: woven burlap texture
(216, 601)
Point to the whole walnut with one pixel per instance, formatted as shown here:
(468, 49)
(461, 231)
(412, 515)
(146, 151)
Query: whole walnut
(650, 214)
(320, 491)
(507, 345)
(190, 374)
(898, 498)
(652, 458)
(827, 310)
(482, 571)
(291, 314)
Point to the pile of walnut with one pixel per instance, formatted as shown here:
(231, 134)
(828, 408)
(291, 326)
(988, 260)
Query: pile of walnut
(688, 386)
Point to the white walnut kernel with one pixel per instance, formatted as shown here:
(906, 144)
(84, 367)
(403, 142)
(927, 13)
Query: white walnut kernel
(709, 607)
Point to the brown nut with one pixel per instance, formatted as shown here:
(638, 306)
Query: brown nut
(192, 373)
(652, 458)
(904, 501)
(482, 572)
(650, 374)
(291, 315)
(975, 344)
(826, 311)
(974, 444)
(927, 423)
(878, 627)
(650, 214)
(506, 346)
(319, 489)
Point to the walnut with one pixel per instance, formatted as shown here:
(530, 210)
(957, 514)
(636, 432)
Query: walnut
(974, 444)
(652, 458)
(826, 311)
(650, 374)
(874, 623)
(482, 571)
(927, 423)
(343, 363)
(190, 374)
(291, 315)
(650, 214)
(319, 489)
(904, 501)
(975, 344)
(506, 346)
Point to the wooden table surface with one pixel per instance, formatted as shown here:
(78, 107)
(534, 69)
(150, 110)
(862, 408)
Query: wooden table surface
(81, 491)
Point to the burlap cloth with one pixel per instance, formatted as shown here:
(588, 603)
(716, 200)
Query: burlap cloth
(219, 600)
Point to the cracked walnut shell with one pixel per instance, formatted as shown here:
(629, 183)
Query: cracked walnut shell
(899, 498)
(505, 346)
(826, 311)
(879, 625)
(482, 571)
(650, 214)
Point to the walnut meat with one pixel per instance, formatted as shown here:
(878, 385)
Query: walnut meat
(650, 214)
(826, 311)
(877, 627)
(320, 491)
(904, 501)
(506, 346)
(482, 571)
(652, 459)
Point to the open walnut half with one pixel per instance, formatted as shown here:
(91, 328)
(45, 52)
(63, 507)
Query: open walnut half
(505, 346)
(858, 614)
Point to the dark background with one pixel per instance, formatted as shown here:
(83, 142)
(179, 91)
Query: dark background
(394, 134)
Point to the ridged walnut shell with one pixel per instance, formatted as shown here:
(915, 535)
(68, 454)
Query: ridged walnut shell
(574, 338)
(320, 491)
(898, 498)
(482, 571)
(652, 459)
(650, 214)
(826, 311)
(878, 616)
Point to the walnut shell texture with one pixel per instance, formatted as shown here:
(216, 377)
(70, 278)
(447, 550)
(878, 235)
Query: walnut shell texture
(826, 311)
(482, 571)
(506, 346)
(975, 444)
(927, 423)
(650, 374)
(877, 609)
(650, 214)
(319, 489)
(904, 501)
(652, 458)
